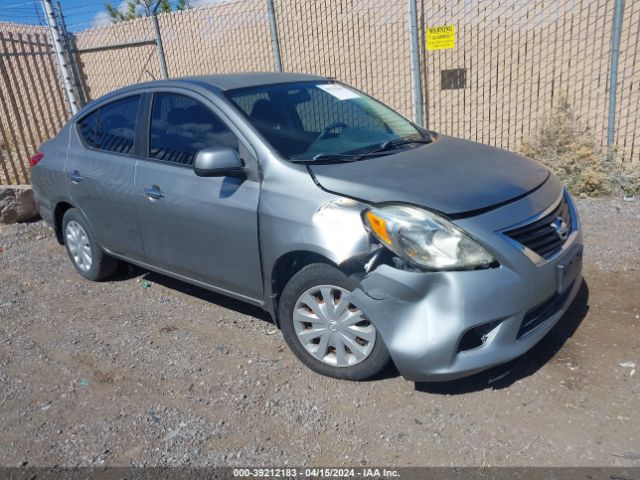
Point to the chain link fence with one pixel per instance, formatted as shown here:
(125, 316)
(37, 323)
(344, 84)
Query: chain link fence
(111, 57)
(362, 42)
(509, 63)
(628, 92)
(225, 37)
(32, 106)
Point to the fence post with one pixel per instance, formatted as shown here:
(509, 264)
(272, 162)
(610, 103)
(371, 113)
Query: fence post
(159, 47)
(58, 47)
(613, 75)
(416, 79)
(275, 42)
(70, 54)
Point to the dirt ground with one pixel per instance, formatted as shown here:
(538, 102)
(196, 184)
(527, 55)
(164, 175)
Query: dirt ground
(145, 370)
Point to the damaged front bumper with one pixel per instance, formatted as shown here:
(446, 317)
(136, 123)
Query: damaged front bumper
(441, 326)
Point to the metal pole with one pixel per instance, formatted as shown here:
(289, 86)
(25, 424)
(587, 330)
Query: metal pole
(275, 43)
(613, 75)
(416, 79)
(159, 47)
(70, 54)
(59, 49)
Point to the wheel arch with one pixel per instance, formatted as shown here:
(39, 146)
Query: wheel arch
(58, 215)
(290, 263)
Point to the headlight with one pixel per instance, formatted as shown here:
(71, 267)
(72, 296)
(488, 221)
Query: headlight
(425, 238)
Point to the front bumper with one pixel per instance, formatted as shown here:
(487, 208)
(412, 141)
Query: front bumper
(427, 318)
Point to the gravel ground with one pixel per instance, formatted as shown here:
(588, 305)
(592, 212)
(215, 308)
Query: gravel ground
(145, 370)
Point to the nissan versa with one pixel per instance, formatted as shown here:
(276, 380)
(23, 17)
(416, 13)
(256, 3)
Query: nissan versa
(367, 238)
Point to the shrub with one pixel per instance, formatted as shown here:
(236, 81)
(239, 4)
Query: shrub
(567, 147)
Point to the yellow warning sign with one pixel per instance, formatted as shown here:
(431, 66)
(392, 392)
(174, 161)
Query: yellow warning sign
(441, 38)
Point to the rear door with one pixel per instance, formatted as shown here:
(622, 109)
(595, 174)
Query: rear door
(204, 228)
(100, 172)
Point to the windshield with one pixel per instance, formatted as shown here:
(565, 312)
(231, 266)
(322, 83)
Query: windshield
(309, 120)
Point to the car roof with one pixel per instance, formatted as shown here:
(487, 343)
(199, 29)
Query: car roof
(232, 81)
(221, 82)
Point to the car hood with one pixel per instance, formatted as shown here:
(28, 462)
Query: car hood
(450, 175)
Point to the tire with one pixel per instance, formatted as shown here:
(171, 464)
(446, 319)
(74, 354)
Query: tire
(333, 353)
(85, 254)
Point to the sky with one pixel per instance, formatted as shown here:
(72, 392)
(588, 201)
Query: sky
(78, 14)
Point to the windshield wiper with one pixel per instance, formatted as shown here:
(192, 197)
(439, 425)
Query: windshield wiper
(328, 158)
(354, 157)
(382, 148)
(397, 142)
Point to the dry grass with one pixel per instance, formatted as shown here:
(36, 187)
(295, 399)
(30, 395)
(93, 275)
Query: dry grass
(568, 148)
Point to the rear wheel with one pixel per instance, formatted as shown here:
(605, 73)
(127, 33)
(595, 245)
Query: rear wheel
(86, 255)
(325, 330)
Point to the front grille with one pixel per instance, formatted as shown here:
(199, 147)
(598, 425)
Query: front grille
(540, 236)
(542, 313)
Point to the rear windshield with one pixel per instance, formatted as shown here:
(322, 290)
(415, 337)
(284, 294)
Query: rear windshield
(301, 120)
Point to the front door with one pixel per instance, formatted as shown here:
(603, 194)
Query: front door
(204, 228)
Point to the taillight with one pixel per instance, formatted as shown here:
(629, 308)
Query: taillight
(33, 161)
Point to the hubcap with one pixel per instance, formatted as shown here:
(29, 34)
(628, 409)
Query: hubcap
(332, 329)
(78, 245)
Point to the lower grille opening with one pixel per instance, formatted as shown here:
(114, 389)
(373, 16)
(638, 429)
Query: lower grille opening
(477, 336)
(543, 312)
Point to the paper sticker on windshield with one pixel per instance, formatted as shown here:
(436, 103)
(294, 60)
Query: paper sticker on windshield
(338, 91)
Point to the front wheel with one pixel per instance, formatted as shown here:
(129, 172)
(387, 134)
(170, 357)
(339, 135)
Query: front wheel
(325, 330)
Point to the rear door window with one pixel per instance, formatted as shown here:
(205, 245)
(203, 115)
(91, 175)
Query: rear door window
(116, 128)
(112, 128)
(181, 126)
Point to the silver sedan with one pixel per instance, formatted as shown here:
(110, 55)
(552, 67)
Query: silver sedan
(366, 237)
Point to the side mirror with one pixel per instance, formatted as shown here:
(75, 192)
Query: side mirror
(218, 162)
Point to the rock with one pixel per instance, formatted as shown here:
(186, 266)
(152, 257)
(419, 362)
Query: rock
(17, 204)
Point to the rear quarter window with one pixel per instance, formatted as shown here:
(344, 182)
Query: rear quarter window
(87, 128)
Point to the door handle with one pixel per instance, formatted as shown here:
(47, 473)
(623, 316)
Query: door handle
(153, 192)
(74, 176)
